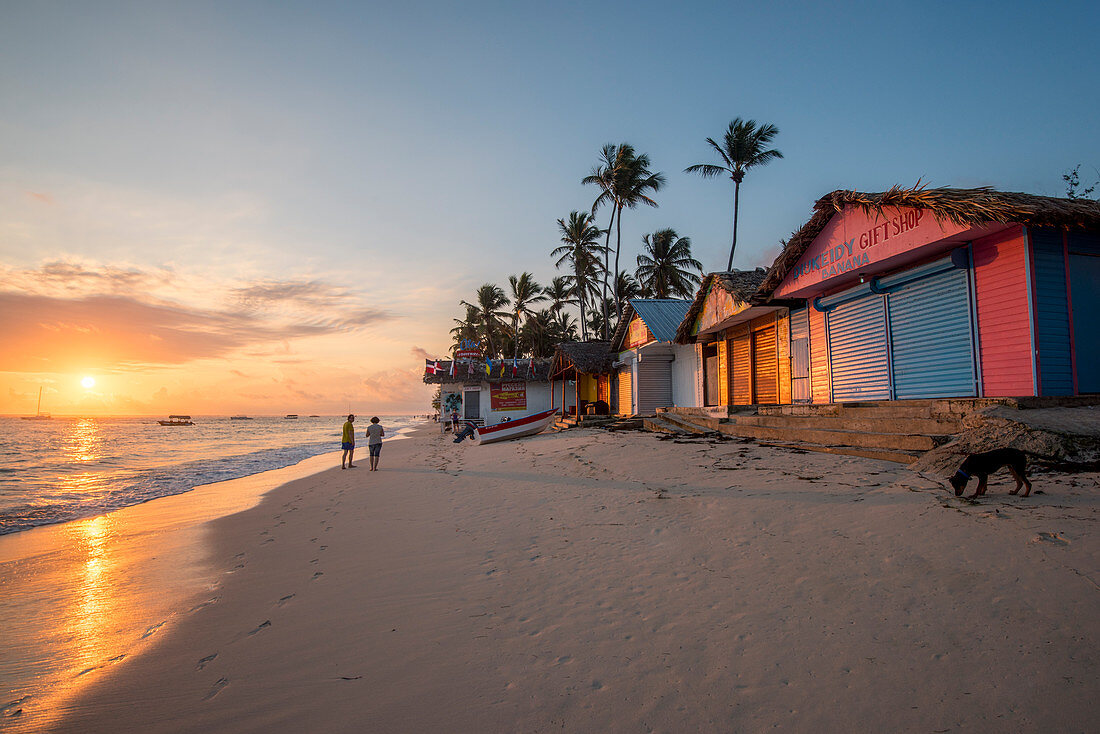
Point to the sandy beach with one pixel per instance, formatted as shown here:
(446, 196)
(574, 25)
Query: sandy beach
(591, 581)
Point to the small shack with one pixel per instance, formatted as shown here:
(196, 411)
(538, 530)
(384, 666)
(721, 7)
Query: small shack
(488, 393)
(742, 342)
(653, 371)
(580, 376)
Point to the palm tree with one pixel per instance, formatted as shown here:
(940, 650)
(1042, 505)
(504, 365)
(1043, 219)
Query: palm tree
(632, 180)
(525, 291)
(466, 328)
(581, 250)
(563, 328)
(603, 176)
(537, 331)
(490, 302)
(742, 149)
(559, 293)
(662, 268)
(628, 287)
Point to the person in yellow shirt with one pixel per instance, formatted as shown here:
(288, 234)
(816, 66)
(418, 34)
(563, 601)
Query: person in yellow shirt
(348, 443)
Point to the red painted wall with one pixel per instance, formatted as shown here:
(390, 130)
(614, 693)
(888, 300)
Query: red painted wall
(1004, 325)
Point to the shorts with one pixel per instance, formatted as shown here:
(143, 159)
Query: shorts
(375, 449)
(347, 446)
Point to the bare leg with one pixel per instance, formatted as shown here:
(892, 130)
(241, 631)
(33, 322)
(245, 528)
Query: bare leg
(344, 459)
(351, 456)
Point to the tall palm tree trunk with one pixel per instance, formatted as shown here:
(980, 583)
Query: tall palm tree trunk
(515, 334)
(606, 255)
(736, 197)
(618, 245)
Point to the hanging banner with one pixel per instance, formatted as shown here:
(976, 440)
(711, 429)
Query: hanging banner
(468, 349)
(508, 396)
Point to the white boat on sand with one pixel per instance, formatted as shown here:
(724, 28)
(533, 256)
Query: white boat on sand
(518, 428)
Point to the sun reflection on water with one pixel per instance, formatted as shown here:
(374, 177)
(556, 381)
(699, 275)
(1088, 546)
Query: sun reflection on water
(83, 441)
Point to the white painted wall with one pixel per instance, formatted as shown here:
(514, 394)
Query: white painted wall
(685, 376)
(538, 400)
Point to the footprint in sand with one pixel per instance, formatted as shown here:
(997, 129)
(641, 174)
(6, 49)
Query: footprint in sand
(202, 663)
(317, 575)
(264, 625)
(1055, 538)
(284, 600)
(153, 629)
(204, 604)
(216, 688)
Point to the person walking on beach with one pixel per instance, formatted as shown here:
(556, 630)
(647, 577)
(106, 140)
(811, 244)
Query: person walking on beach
(348, 443)
(375, 432)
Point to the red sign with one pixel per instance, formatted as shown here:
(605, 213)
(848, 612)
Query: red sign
(468, 349)
(508, 396)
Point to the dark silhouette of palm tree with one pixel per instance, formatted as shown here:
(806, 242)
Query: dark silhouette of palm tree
(466, 328)
(665, 268)
(489, 308)
(581, 249)
(632, 182)
(559, 293)
(525, 291)
(627, 286)
(742, 148)
(603, 176)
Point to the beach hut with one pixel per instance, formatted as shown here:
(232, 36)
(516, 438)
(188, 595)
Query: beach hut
(653, 371)
(580, 375)
(487, 393)
(927, 293)
(741, 341)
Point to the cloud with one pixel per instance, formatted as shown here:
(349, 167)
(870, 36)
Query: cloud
(47, 334)
(420, 353)
(42, 197)
(68, 313)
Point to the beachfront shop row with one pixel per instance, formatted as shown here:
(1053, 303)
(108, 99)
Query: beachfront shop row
(937, 298)
(487, 394)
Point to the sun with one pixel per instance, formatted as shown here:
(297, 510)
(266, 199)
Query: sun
(88, 382)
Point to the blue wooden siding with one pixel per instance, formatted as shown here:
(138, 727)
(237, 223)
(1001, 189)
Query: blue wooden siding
(1051, 313)
(1084, 276)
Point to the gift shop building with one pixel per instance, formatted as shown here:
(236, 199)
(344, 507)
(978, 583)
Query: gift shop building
(930, 293)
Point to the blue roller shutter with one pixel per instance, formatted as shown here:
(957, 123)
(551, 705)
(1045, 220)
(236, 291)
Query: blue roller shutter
(931, 343)
(857, 349)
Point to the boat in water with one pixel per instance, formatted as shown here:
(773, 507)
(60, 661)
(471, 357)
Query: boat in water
(38, 414)
(518, 428)
(290, 417)
(239, 418)
(177, 420)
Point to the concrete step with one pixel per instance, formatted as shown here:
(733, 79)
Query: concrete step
(659, 425)
(927, 426)
(898, 457)
(695, 424)
(830, 437)
(836, 410)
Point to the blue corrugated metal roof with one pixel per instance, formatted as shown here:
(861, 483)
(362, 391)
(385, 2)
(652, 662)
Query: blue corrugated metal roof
(661, 315)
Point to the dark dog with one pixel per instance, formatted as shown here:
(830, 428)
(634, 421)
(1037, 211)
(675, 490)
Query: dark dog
(982, 465)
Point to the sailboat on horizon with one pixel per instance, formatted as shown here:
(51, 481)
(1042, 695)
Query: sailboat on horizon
(38, 414)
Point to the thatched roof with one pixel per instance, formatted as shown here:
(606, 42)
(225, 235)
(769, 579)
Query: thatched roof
(540, 372)
(741, 284)
(958, 206)
(590, 358)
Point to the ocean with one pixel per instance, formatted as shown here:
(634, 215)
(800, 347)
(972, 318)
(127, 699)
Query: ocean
(70, 468)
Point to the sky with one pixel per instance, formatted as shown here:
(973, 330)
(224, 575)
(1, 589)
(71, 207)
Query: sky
(269, 208)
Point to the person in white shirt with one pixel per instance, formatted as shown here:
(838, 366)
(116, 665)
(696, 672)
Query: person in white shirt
(375, 432)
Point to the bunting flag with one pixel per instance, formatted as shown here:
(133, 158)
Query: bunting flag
(488, 368)
(469, 368)
(530, 367)
(432, 367)
(513, 367)
(453, 367)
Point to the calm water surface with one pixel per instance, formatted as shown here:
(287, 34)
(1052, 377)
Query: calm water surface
(71, 468)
